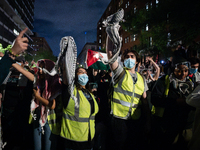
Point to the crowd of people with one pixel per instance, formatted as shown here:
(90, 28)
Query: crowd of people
(138, 105)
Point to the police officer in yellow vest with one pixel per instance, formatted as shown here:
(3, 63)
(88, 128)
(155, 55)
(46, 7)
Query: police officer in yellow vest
(171, 111)
(78, 121)
(128, 102)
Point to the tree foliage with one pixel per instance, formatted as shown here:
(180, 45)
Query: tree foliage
(169, 22)
(41, 54)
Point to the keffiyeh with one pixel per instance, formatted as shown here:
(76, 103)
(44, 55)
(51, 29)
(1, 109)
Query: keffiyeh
(52, 88)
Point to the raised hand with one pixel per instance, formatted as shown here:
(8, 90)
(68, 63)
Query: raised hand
(21, 43)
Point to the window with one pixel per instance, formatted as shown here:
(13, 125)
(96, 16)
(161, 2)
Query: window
(135, 8)
(110, 8)
(126, 40)
(147, 27)
(16, 32)
(169, 39)
(147, 6)
(99, 35)
(168, 17)
(157, 1)
(99, 40)
(150, 41)
(127, 4)
(99, 47)
(99, 28)
(120, 3)
(133, 37)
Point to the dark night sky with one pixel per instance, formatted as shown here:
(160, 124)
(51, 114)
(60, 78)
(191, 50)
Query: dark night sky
(55, 19)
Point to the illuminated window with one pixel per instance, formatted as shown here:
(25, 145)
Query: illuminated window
(147, 27)
(150, 41)
(99, 40)
(16, 32)
(133, 37)
(135, 8)
(157, 1)
(147, 6)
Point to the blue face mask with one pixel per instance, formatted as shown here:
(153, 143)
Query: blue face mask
(129, 63)
(19, 63)
(193, 70)
(83, 79)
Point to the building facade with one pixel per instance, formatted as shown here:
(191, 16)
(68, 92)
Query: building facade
(129, 41)
(39, 43)
(15, 15)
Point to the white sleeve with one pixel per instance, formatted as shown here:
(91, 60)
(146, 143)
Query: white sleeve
(194, 98)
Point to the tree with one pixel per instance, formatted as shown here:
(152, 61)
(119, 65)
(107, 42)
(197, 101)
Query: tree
(169, 22)
(41, 54)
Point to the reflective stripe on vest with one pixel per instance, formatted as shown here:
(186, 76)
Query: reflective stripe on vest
(78, 122)
(55, 116)
(126, 97)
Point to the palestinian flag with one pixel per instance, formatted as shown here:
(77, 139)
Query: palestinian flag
(94, 61)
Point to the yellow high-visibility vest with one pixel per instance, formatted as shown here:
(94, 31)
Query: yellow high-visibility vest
(126, 101)
(78, 122)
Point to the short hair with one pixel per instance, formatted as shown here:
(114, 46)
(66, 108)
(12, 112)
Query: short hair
(193, 60)
(125, 52)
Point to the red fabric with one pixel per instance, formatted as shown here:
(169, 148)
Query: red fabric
(92, 57)
(35, 70)
(191, 75)
(52, 87)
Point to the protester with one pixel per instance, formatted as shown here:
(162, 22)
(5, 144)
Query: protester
(129, 101)
(46, 89)
(193, 100)
(194, 73)
(171, 111)
(151, 75)
(102, 118)
(20, 44)
(78, 121)
(15, 107)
